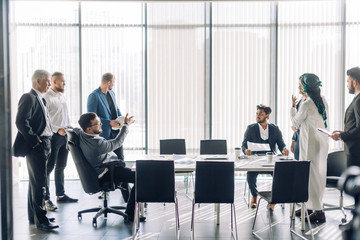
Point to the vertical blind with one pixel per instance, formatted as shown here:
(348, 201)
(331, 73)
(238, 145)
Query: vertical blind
(241, 66)
(158, 52)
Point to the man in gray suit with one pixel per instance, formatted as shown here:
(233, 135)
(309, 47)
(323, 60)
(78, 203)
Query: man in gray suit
(100, 151)
(351, 133)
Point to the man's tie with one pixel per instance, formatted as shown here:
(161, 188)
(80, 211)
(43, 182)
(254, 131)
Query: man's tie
(44, 101)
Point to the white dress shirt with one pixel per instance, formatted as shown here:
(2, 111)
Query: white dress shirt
(264, 133)
(58, 110)
(48, 129)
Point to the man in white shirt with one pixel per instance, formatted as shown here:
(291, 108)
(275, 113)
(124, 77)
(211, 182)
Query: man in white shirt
(59, 115)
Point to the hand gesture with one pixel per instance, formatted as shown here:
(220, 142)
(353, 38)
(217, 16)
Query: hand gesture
(294, 100)
(129, 120)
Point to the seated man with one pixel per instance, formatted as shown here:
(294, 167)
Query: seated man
(99, 151)
(262, 132)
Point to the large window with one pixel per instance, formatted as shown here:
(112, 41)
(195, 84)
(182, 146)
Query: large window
(190, 70)
(309, 41)
(240, 66)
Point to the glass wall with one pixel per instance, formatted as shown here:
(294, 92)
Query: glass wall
(189, 70)
(309, 41)
(240, 66)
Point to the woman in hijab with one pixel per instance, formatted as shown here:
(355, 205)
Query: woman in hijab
(313, 114)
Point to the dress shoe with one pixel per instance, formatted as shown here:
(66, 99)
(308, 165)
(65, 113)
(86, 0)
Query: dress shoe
(46, 226)
(317, 217)
(50, 206)
(298, 212)
(271, 207)
(253, 203)
(50, 220)
(66, 199)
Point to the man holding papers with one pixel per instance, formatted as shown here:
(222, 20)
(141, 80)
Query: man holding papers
(267, 136)
(351, 133)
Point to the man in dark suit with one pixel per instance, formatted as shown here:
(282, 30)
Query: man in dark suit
(262, 132)
(102, 102)
(33, 141)
(351, 133)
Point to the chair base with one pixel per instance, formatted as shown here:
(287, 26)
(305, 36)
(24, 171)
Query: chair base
(291, 223)
(104, 210)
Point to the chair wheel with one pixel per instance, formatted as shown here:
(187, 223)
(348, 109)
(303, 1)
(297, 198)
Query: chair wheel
(79, 217)
(343, 220)
(94, 223)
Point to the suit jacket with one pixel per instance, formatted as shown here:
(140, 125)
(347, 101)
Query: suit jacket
(99, 151)
(30, 122)
(351, 134)
(252, 134)
(98, 104)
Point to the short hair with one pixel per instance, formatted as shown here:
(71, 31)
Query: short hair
(39, 74)
(354, 73)
(57, 74)
(266, 109)
(107, 77)
(85, 120)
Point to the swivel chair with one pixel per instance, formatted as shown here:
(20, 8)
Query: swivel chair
(336, 165)
(90, 181)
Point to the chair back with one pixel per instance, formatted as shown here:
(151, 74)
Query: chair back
(172, 146)
(214, 182)
(213, 146)
(336, 163)
(290, 182)
(155, 181)
(87, 174)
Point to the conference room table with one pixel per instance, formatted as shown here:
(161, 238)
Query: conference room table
(186, 163)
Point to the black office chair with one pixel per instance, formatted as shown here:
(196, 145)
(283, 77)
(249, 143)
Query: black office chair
(213, 147)
(214, 183)
(336, 165)
(155, 182)
(177, 146)
(90, 181)
(290, 185)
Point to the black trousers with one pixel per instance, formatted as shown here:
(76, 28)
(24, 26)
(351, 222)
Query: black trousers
(121, 175)
(252, 179)
(57, 160)
(125, 188)
(353, 160)
(36, 164)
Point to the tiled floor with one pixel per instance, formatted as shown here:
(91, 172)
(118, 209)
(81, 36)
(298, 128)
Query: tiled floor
(160, 222)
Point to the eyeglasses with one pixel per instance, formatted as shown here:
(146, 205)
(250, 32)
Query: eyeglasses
(98, 123)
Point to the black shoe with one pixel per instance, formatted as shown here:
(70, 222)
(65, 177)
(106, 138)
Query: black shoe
(66, 199)
(50, 220)
(50, 206)
(46, 227)
(131, 219)
(298, 212)
(317, 217)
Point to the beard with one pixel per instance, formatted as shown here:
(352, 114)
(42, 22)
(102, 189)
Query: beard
(98, 131)
(59, 89)
(352, 89)
(260, 121)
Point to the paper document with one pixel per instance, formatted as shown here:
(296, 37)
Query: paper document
(324, 131)
(258, 147)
